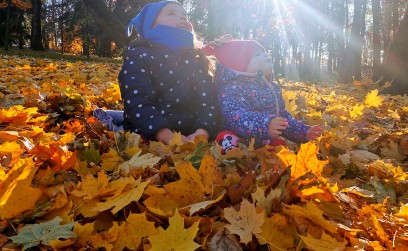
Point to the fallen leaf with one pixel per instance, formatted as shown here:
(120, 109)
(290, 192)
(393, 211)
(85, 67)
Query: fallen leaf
(175, 237)
(32, 235)
(130, 233)
(273, 235)
(312, 212)
(122, 200)
(373, 100)
(137, 161)
(13, 202)
(326, 243)
(245, 222)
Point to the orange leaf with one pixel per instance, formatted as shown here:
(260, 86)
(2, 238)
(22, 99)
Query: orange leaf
(16, 193)
(11, 148)
(403, 213)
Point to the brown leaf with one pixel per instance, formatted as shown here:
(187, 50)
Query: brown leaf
(245, 222)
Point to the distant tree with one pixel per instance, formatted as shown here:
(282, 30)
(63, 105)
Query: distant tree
(107, 21)
(36, 36)
(16, 7)
(376, 5)
(396, 62)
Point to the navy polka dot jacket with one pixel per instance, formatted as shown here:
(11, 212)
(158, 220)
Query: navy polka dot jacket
(248, 104)
(161, 89)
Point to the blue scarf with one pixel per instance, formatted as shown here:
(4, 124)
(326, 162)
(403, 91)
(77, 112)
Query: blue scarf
(171, 37)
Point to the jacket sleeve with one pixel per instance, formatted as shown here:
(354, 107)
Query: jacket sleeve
(236, 110)
(207, 112)
(296, 130)
(138, 94)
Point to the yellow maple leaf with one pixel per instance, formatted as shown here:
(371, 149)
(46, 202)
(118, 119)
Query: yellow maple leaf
(210, 174)
(325, 243)
(403, 213)
(88, 237)
(130, 233)
(90, 187)
(111, 160)
(139, 161)
(16, 193)
(189, 190)
(384, 238)
(304, 162)
(203, 205)
(244, 222)
(357, 111)
(175, 237)
(373, 100)
(312, 212)
(11, 148)
(273, 235)
(117, 202)
(266, 202)
(176, 140)
(290, 102)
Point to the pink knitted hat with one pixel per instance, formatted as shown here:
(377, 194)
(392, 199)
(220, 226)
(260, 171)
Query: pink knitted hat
(234, 54)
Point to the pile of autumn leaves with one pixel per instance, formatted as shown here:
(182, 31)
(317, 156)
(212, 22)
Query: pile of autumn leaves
(68, 184)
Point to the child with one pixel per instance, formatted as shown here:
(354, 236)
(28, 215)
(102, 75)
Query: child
(164, 81)
(251, 104)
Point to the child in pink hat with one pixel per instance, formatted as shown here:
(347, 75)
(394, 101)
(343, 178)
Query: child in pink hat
(251, 103)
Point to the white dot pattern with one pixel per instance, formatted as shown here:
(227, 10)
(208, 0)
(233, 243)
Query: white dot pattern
(150, 99)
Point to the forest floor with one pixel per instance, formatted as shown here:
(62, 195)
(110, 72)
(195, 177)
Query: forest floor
(69, 184)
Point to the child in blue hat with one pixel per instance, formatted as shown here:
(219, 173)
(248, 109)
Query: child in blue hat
(164, 81)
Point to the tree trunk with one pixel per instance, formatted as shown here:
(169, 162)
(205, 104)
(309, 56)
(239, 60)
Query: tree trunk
(20, 29)
(395, 17)
(356, 37)
(8, 24)
(36, 38)
(108, 22)
(342, 64)
(376, 39)
(396, 62)
(62, 26)
(54, 23)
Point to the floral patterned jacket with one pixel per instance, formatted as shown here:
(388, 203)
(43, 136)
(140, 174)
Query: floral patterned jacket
(248, 103)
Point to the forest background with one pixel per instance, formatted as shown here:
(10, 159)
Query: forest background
(67, 183)
(309, 40)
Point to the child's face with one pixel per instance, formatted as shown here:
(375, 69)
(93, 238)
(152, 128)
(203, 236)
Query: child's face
(260, 62)
(173, 15)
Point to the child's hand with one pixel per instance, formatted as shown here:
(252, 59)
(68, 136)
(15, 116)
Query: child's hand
(165, 135)
(276, 126)
(198, 132)
(314, 132)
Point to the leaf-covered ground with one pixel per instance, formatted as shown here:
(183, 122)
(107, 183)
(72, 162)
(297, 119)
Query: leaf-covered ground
(69, 184)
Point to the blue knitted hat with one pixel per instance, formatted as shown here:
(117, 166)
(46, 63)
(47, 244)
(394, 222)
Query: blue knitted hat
(143, 22)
